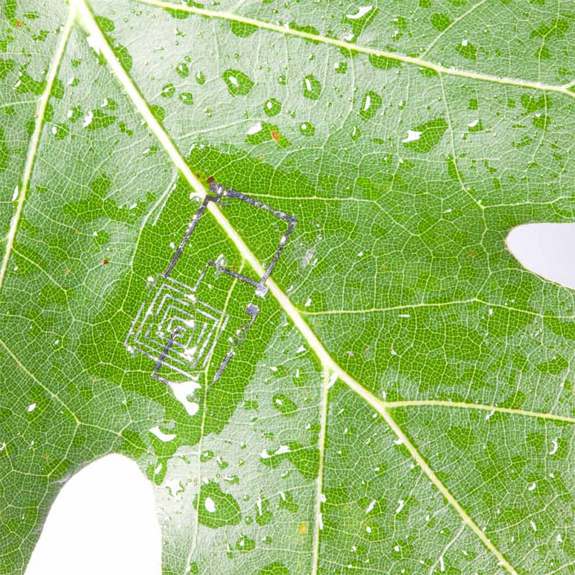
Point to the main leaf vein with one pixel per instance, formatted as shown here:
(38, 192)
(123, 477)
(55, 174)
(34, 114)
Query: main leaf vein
(99, 41)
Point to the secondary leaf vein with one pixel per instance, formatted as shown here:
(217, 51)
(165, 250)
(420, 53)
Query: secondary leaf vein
(477, 406)
(35, 139)
(358, 48)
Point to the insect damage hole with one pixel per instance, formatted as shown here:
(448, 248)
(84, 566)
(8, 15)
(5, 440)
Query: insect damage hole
(87, 528)
(179, 324)
(546, 250)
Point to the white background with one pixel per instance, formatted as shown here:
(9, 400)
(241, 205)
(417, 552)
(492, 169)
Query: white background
(103, 522)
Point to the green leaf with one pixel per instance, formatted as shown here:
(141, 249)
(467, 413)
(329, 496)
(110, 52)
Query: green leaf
(400, 398)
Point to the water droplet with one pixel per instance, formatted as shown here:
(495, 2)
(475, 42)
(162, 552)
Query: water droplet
(383, 63)
(370, 104)
(168, 91)
(440, 21)
(186, 98)
(412, 136)
(272, 107)
(311, 87)
(241, 29)
(425, 137)
(274, 569)
(467, 50)
(245, 544)
(307, 129)
(284, 404)
(210, 505)
(359, 20)
(88, 119)
(183, 70)
(238, 83)
(217, 508)
(262, 132)
(475, 126)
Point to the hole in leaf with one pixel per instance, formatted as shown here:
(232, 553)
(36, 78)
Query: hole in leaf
(547, 250)
(103, 521)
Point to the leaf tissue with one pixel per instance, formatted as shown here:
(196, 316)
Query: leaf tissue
(258, 246)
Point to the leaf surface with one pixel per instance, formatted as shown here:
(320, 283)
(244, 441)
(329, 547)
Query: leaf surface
(402, 401)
